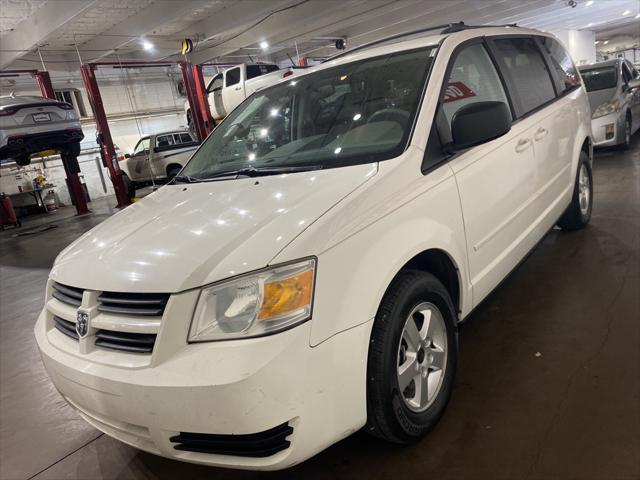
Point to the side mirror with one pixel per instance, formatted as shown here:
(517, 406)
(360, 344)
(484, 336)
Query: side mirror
(127, 155)
(633, 83)
(478, 123)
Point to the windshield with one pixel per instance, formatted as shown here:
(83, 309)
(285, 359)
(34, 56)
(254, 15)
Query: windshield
(359, 112)
(599, 78)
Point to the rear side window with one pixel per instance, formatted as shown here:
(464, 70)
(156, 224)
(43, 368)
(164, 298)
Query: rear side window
(562, 64)
(233, 76)
(627, 76)
(254, 71)
(473, 79)
(528, 73)
(185, 138)
(165, 141)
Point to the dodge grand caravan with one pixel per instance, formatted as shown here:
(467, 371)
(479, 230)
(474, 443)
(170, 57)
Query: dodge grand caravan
(303, 276)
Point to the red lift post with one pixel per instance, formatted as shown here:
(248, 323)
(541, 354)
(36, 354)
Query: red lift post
(70, 162)
(196, 95)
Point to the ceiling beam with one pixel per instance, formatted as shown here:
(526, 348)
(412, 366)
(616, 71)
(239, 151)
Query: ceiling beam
(131, 29)
(33, 30)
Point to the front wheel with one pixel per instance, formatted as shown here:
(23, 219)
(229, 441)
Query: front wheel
(412, 358)
(578, 214)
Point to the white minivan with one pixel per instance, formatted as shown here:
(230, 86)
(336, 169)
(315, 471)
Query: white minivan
(303, 277)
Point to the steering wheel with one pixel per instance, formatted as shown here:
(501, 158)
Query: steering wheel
(390, 115)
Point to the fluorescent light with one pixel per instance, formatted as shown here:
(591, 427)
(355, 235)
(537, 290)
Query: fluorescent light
(637, 15)
(589, 3)
(147, 45)
(597, 42)
(589, 24)
(264, 45)
(605, 42)
(626, 12)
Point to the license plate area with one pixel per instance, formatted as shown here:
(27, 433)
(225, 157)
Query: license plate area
(41, 117)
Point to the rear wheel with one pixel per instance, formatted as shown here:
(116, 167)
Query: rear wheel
(626, 139)
(412, 358)
(173, 171)
(23, 160)
(578, 213)
(129, 186)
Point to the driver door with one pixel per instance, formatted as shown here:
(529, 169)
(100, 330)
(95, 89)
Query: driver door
(139, 160)
(214, 89)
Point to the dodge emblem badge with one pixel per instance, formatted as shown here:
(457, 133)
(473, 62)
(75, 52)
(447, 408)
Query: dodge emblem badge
(82, 323)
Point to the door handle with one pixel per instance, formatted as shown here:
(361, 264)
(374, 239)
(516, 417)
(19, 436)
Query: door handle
(540, 134)
(238, 88)
(523, 144)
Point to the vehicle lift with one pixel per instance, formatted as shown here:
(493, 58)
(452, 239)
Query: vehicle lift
(69, 159)
(196, 95)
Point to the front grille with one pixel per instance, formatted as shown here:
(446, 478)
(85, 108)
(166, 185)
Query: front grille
(66, 327)
(144, 304)
(125, 341)
(68, 295)
(263, 444)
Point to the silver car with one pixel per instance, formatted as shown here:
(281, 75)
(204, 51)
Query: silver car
(33, 124)
(614, 94)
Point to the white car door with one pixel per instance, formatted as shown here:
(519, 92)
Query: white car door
(214, 89)
(494, 179)
(233, 91)
(139, 160)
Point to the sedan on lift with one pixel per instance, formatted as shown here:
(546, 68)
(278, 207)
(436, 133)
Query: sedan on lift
(30, 125)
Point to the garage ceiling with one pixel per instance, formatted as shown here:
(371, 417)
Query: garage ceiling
(231, 30)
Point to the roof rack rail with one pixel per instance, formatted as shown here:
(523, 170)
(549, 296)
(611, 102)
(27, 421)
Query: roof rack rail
(460, 26)
(445, 28)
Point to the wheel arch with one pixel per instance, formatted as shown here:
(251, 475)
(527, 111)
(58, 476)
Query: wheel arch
(171, 166)
(441, 265)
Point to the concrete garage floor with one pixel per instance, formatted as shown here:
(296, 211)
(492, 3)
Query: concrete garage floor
(548, 383)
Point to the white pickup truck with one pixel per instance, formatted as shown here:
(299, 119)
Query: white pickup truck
(229, 88)
(157, 157)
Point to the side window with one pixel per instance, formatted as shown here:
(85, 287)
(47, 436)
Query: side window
(215, 84)
(561, 62)
(529, 76)
(164, 141)
(142, 148)
(185, 138)
(233, 76)
(473, 79)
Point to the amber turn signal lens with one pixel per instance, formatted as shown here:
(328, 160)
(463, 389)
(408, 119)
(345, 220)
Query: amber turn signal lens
(286, 295)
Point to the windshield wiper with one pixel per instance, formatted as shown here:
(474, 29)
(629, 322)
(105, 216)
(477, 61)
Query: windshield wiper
(263, 171)
(185, 179)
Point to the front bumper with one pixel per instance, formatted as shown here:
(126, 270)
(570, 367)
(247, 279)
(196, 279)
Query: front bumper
(234, 387)
(599, 128)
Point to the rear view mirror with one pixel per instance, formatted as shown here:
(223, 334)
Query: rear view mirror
(127, 155)
(478, 123)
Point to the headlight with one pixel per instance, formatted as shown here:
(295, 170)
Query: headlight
(606, 109)
(255, 304)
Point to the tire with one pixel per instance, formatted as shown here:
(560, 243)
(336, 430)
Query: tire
(578, 214)
(23, 160)
(626, 139)
(390, 414)
(172, 172)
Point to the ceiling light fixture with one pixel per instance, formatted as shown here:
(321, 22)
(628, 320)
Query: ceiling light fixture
(637, 15)
(605, 42)
(264, 45)
(147, 45)
(589, 3)
(626, 12)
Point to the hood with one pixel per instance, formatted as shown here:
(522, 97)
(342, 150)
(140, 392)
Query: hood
(188, 235)
(598, 97)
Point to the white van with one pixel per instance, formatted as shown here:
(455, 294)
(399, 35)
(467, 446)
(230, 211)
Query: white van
(304, 275)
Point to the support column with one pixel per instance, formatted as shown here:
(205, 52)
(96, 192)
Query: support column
(194, 103)
(44, 82)
(107, 149)
(72, 169)
(202, 98)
